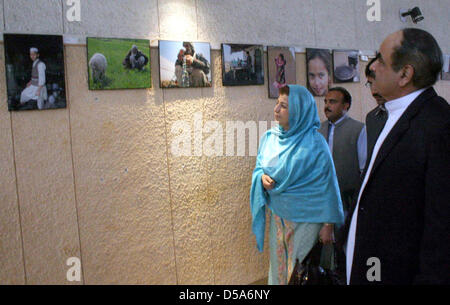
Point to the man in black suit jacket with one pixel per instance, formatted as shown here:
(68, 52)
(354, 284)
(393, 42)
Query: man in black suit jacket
(399, 230)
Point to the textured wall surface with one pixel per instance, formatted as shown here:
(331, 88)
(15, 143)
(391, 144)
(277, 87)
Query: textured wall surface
(45, 185)
(177, 19)
(121, 181)
(301, 23)
(106, 18)
(98, 179)
(11, 252)
(37, 17)
(2, 20)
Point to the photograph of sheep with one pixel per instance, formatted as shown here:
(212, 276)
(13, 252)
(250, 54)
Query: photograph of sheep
(34, 66)
(242, 64)
(281, 68)
(118, 63)
(184, 64)
(346, 66)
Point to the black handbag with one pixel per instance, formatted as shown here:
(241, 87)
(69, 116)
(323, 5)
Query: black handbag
(309, 271)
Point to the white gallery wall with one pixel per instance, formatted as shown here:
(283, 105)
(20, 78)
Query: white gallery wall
(302, 23)
(97, 180)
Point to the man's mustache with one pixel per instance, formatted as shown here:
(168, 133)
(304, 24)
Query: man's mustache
(375, 95)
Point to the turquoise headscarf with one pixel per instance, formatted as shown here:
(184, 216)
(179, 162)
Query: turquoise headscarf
(306, 188)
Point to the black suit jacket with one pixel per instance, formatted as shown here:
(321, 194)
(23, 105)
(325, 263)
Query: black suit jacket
(404, 211)
(373, 131)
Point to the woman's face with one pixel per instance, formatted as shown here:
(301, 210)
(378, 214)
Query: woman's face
(281, 111)
(318, 77)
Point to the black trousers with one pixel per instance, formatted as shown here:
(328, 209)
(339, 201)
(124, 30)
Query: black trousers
(339, 232)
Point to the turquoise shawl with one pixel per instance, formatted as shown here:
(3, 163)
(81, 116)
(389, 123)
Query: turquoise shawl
(299, 160)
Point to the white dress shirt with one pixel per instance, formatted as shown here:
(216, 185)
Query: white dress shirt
(395, 110)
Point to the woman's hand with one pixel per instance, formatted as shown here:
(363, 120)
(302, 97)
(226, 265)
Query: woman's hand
(326, 234)
(267, 182)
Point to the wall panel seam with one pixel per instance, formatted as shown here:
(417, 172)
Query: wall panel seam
(159, 25)
(314, 25)
(170, 191)
(4, 20)
(62, 16)
(196, 16)
(18, 201)
(354, 22)
(209, 197)
(73, 168)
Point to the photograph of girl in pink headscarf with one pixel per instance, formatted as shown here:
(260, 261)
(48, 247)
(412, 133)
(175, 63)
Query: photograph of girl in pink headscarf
(281, 63)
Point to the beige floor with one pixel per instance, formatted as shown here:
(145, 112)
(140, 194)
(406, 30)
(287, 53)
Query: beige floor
(260, 282)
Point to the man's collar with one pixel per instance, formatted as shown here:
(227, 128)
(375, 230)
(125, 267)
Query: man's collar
(380, 109)
(342, 118)
(402, 102)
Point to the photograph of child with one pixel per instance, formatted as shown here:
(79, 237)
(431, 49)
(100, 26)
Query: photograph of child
(318, 71)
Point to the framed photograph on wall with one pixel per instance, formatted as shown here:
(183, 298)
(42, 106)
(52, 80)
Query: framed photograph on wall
(318, 71)
(118, 63)
(346, 66)
(281, 68)
(184, 64)
(34, 66)
(445, 75)
(242, 64)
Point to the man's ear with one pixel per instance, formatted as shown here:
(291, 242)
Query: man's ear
(407, 74)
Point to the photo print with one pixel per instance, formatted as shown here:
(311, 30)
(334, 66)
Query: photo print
(318, 71)
(445, 75)
(281, 68)
(34, 66)
(118, 63)
(346, 66)
(242, 64)
(184, 64)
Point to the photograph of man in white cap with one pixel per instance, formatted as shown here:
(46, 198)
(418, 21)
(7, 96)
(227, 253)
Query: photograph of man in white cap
(34, 66)
(36, 89)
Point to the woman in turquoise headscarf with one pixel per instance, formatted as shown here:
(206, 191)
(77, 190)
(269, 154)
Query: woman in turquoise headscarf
(295, 177)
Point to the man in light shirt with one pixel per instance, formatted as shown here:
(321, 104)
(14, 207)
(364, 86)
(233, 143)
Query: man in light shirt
(399, 230)
(346, 139)
(36, 89)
